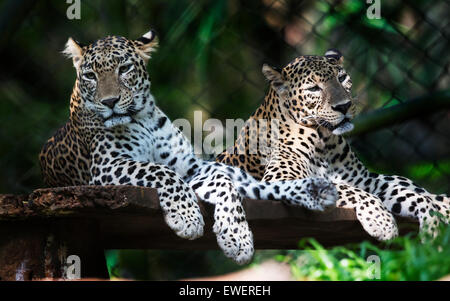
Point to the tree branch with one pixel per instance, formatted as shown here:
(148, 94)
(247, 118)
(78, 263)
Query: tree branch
(415, 108)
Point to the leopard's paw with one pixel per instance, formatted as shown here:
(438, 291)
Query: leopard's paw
(430, 220)
(377, 221)
(233, 233)
(182, 213)
(443, 210)
(324, 193)
(312, 193)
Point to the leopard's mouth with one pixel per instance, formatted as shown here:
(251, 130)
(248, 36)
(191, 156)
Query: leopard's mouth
(344, 121)
(342, 127)
(116, 119)
(117, 115)
(130, 112)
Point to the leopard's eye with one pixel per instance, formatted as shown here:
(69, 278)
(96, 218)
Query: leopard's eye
(342, 78)
(89, 75)
(125, 68)
(314, 89)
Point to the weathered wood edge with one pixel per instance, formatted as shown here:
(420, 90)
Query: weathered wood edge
(130, 218)
(76, 201)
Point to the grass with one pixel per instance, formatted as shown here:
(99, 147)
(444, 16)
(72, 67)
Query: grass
(414, 258)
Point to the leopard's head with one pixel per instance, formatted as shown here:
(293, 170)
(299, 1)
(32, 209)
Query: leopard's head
(315, 91)
(112, 80)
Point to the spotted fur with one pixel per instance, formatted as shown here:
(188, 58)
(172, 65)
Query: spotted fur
(311, 104)
(116, 135)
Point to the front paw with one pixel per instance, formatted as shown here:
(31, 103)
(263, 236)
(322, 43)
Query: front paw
(233, 233)
(324, 194)
(431, 218)
(429, 226)
(376, 220)
(182, 213)
(442, 208)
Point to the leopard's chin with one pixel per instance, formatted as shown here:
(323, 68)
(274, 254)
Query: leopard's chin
(116, 120)
(343, 127)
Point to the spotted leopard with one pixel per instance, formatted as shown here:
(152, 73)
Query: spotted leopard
(310, 104)
(116, 135)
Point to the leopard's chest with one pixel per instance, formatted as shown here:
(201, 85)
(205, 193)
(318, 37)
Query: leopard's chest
(316, 159)
(325, 163)
(321, 166)
(135, 141)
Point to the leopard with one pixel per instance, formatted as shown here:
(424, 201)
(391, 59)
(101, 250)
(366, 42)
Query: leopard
(117, 135)
(298, 132)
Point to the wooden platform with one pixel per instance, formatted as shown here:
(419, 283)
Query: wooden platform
(38, 231)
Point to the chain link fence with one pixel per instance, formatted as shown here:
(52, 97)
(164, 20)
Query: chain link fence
(210, 59)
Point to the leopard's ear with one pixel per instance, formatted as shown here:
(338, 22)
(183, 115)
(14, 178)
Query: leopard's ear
(335, 55)
(74, 50)
(147, 44)
(276, 79)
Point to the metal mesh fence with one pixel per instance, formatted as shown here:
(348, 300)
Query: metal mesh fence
(210, 59)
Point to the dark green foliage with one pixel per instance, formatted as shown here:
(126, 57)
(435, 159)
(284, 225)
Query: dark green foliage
(406, 258)
(210, 59)
(167, 265)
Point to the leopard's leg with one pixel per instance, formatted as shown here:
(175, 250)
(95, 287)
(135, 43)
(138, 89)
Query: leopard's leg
(226, 186)
(404, 198)
(405, 183)
(313, 193)
(177, 199)
(399, 194)
(296, 187)
(230, 225)
(370, 211)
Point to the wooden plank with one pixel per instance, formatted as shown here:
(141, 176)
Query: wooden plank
(129, 218)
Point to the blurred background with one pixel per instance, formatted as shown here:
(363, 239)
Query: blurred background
(210, 59)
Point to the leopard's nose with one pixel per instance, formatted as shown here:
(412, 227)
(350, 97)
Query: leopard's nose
(343, 108)
(110, 102)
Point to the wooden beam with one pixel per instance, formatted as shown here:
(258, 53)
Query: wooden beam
(130, 218)
(84, 218)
